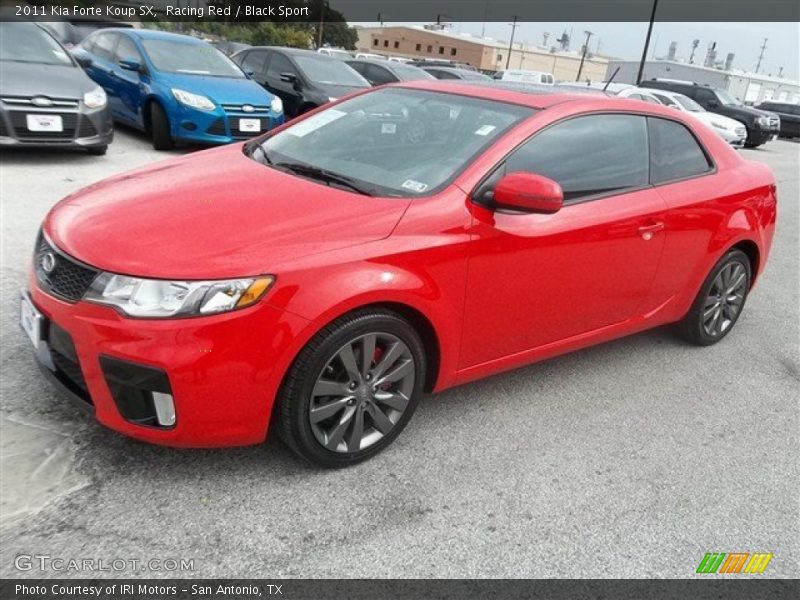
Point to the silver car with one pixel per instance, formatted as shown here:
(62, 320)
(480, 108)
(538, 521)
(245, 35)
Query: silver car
(45, 97)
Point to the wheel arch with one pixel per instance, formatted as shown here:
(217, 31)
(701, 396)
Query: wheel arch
(750, 248)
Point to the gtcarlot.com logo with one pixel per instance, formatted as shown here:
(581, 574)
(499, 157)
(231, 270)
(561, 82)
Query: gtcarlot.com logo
(734, 562)
(44, 562)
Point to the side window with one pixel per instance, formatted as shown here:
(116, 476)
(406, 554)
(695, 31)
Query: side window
(359, 67)
(588, 155)
(704, 97)
(127, 50)
(674, 152)
(379, 75)
(88, 43)
(278, 64)
(254, 61)
(104, 46)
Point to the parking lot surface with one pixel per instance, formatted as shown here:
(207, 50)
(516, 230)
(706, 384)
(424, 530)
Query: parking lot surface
(630, 459)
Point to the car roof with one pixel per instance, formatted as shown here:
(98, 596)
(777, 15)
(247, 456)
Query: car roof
(296, 52)
(534, 96)
(155, 34)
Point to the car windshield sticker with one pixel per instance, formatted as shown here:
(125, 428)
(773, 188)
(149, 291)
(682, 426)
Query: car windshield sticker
(415, 186)
(485, 130)
(315, 122)
(389, 128)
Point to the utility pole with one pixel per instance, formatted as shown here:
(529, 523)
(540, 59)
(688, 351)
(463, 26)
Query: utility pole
(485, 16)
(647, 43)
(761, 56)
(321, 22)
(511, 43)
(589, 34)
(695, 44)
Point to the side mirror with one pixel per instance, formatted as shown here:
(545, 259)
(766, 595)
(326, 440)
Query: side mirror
(131, 65)
(249, 73)
(529, 193)
(289, 78)
(83, 61)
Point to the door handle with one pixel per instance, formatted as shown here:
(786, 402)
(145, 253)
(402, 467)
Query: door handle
(648, 231)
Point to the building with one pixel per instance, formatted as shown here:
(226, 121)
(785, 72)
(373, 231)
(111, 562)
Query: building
(482, 53)
(750, 88)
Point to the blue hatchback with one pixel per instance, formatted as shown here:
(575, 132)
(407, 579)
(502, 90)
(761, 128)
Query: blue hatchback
(177, 87)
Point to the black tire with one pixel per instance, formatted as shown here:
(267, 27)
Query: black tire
(694, 326)
(97, 150)
(292, 415)
(751, 145)
(159, 124)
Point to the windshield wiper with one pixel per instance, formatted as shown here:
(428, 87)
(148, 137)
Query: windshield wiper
(324, 175)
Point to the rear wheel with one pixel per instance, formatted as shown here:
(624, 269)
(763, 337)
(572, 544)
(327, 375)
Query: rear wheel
(720, 301)
(352, 389)
(159, 123)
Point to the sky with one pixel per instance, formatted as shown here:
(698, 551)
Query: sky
(625, 40)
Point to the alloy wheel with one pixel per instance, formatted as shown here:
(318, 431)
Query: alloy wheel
(725, 299)
(362, 392)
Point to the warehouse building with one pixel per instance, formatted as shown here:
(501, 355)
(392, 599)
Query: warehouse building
(482, 53)
(751, 88)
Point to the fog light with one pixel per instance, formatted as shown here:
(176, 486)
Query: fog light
(165, 409)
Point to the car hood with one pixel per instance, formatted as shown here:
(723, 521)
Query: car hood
(744, 112)
(53, 81)
(709, 117)
(214, 214)
(222, 90)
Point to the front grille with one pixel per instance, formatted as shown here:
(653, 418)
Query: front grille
(65, 359)
(774, 122)
(19, 123)
(3, 129)
(86, 129)
(239, 108)
(740, 131)
(59, 274)
(217, 127)
(28, 101)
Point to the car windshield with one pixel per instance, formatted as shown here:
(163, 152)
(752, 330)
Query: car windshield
(194, 59)
(689, 104)
(727, 99)
(321, 69)
(408, 73)
(391, 142)
(29, 43)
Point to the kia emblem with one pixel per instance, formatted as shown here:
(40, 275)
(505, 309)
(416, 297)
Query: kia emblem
(248, 108)
(48, 262)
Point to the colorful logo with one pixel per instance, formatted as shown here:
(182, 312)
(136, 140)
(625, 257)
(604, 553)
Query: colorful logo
(736, 562)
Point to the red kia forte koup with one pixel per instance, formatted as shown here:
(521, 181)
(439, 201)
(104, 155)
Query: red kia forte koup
(323, 277)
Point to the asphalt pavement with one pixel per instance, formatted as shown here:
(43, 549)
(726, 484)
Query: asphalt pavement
(629, 459)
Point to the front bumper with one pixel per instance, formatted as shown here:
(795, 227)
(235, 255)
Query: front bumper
(82, 127)
(222, 125)
(223, 371)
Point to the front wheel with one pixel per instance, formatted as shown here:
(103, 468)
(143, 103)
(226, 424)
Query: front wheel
(720, 301)
(352, 389)
(159, 123)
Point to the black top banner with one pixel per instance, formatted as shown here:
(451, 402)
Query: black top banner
(429, 11)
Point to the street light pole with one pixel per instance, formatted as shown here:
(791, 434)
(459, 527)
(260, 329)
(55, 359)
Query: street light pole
(589, 34)
(647, 43)
(511, 44)
(321, 22)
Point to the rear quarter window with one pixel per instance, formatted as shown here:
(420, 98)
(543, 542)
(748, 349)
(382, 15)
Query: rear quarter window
(675, 153)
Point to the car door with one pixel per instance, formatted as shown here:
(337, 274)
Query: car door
(126, 105)
(277, 65)
(536, 279)
(101, 47)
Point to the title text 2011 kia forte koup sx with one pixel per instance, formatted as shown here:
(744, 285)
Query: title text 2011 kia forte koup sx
(407, 239)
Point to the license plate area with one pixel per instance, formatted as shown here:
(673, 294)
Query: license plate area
(42, 123)
(250, 125)
(30, 319)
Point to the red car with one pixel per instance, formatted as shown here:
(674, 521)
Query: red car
(407, 239)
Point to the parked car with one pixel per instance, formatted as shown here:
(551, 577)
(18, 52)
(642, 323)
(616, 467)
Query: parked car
(525, 76)
(301, 78)
(761, 126)
(370, 56)
(400, 59)
(73, 32)
(732, 131)
(439, 62)
(229, 48)
(454, 73)
(379, 72)
(407, 239)
(789, 115)
(339, 53)
(177, 88)
(634, 93)
(45, 97)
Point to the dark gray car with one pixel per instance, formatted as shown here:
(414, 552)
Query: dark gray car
(45, 97)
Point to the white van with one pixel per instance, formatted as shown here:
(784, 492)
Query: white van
(522, 76)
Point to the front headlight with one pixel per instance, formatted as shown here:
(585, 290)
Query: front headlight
(763, 121)
(161, 299)
(193, 100)
(276, 105)
(96, 98)
(332, 99)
